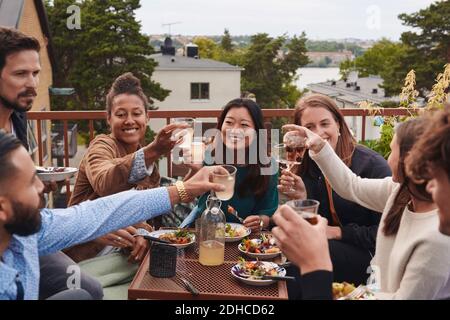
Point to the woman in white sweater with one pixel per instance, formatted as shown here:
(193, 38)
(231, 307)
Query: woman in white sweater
(412, 257)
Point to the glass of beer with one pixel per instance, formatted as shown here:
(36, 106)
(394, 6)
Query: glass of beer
(227, 180)
(308, 209)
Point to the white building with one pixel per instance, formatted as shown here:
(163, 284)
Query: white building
(195, 83)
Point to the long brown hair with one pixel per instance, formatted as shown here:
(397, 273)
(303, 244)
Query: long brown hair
(346, 142)
(407, 134)
(254, 182)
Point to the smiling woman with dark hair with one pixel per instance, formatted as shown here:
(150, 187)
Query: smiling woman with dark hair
(255, 195)
(117, 162)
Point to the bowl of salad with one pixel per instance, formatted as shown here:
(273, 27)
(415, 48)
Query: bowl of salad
(252, 272)
(179, 238)
(262, 248)
(235, 232)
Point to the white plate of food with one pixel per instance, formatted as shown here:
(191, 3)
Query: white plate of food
(252, 272)
(179, 238)
(262, 248)
(55, 173)
(235, 232)
(348, 291)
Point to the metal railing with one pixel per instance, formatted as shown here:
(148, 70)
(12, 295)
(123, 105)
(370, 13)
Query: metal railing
(90, 116)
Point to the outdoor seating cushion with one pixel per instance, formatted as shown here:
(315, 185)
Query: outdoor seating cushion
(114, 273)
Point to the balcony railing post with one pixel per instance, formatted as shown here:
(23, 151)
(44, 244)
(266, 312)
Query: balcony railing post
(66, 157)
(91, 130)
(169, 157)
(363, 129)
(40, 147)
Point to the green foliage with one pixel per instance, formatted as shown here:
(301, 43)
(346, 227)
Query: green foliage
(149, 136)
(270, 66)
(345, 67)
(108, 44)
(269, 75)
(389, 104)
(377, 59)
(382, 145)
(333, 46)
(427, 49)
(207, 48)
(226, 42)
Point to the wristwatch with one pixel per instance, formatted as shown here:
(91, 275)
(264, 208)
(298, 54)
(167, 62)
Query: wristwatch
(182, 193)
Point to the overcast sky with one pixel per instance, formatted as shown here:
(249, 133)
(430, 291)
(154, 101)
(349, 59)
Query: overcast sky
(320, 19)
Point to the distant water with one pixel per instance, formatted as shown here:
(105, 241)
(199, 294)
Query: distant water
(314, 75)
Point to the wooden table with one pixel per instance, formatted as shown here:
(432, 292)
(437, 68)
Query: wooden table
(213, 283)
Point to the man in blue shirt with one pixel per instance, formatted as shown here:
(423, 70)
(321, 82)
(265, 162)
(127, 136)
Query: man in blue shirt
(19, 80)
(27, 232)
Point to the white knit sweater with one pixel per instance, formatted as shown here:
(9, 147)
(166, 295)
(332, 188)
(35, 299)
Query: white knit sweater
(414, 263)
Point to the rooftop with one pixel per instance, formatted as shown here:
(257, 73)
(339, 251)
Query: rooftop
(172, 63)
(361, 89)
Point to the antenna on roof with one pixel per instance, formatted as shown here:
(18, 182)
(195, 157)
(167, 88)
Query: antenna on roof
(170, 24)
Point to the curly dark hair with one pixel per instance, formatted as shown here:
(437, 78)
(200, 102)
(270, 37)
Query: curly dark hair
(127, 83)
(433, 148)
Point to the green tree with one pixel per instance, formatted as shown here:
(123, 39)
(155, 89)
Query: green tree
(109, 43)
(427, 49)
(377, 59)
(207, 48)
(269, 73)
(345, 67)
(226, 42)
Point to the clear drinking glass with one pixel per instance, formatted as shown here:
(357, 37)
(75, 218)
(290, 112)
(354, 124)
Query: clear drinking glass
(187, 134)
(295, 145)
(286, 160)
(308, 209)
(197, 152)
(227, 180)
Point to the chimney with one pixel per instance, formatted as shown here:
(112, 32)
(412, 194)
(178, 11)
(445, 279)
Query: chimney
(192, 50)
(333, 83)
(348, 84)
(375, 91)
(357, 88)
(168, 49)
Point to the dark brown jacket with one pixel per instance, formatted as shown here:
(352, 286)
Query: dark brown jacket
(105, 170)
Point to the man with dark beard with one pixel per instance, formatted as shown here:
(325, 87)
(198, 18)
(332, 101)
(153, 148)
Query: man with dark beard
(19, 80)
(27, 232)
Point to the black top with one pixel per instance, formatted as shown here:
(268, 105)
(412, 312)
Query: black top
(317, 285)
(19, 121)
(360, 224)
